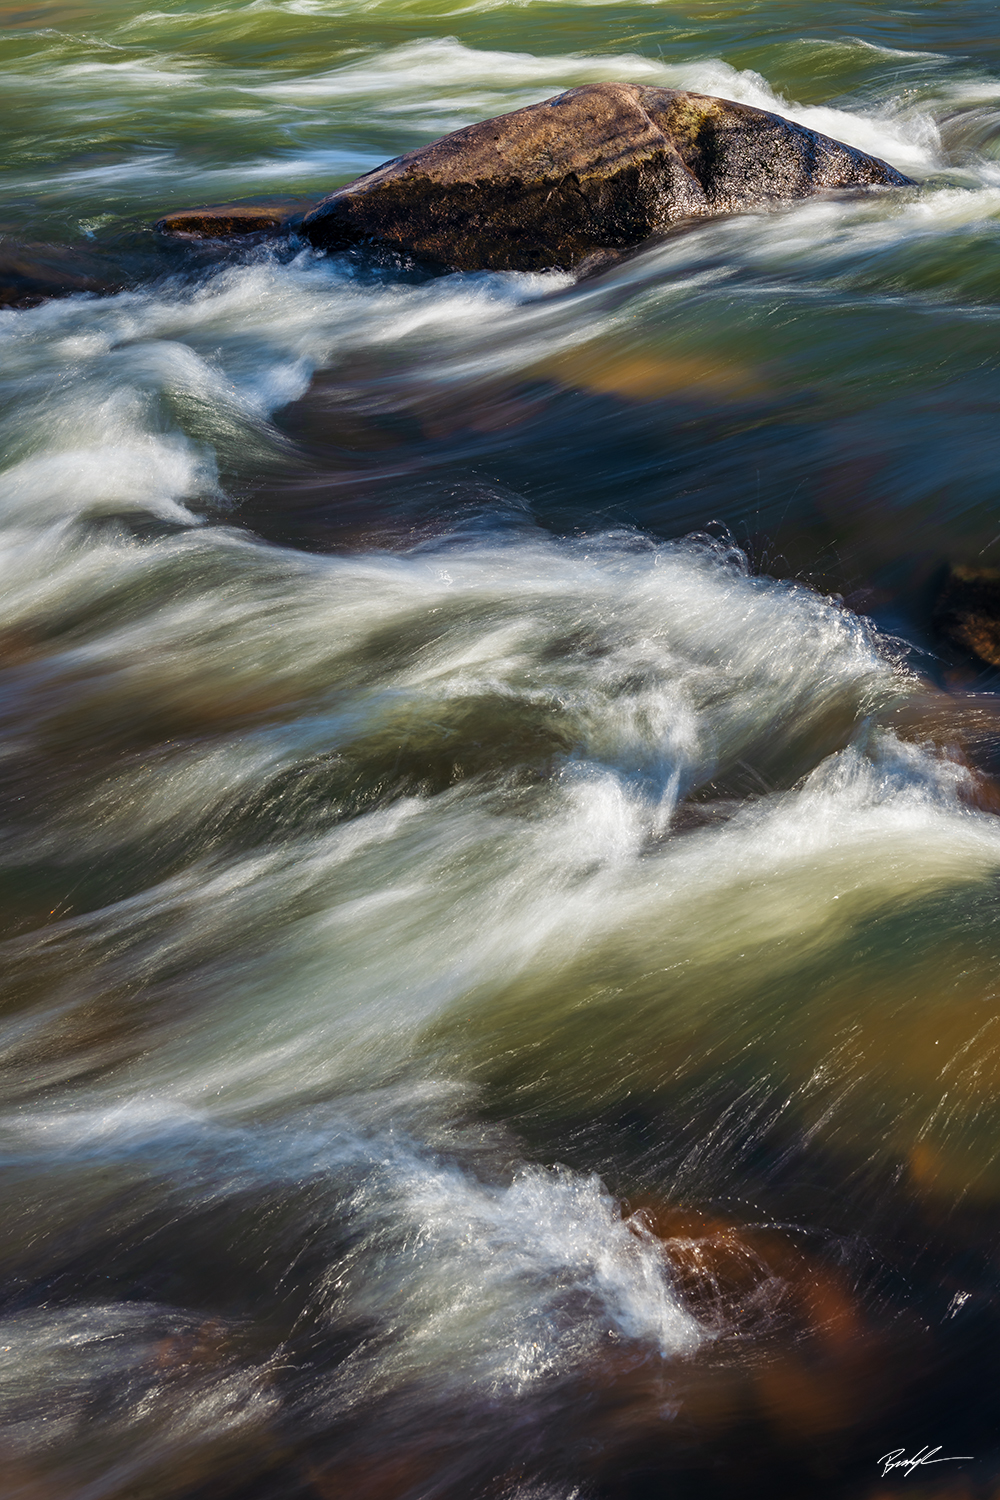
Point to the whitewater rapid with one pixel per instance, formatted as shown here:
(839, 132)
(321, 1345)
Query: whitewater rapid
(500, 879)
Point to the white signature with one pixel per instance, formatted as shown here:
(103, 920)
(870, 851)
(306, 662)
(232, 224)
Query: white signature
(897, 1459)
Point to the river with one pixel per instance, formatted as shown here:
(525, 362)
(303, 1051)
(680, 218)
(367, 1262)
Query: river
(501, 917)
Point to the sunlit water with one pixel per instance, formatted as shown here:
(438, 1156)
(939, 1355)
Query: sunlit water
(501, 910)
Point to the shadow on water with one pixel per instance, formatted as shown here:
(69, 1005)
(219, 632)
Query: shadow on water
(870, 498)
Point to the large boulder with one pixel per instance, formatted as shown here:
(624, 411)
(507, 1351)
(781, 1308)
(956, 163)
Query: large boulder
(584, 177)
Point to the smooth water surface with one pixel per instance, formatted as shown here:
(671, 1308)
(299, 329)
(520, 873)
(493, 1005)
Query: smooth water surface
(501, 879)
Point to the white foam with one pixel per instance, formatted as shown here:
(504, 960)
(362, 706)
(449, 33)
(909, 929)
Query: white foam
(93, 376)
(54, 1380)
(448, 84)
(829, 238)
(502, 1287)
(143, 474)
(549, 903)
(413, 940)
(909, 141)
(480, 1284)
(682, 667)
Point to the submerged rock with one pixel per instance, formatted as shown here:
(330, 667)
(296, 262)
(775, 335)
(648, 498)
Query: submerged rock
(31, 274)
(968, 611)
(581, 178)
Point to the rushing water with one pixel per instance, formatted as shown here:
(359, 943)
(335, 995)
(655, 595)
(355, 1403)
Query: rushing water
(501, 915)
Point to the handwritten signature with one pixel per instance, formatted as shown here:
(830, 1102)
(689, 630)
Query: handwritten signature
(897, 1459)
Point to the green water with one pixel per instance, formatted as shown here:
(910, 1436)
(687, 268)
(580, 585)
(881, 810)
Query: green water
(499, 868)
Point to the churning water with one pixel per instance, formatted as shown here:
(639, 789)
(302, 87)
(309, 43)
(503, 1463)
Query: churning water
(501, 882)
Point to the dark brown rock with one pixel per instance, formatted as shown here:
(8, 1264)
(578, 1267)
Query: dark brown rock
(30, 274)
(968, 611)
(225, 220)
(584, 177)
